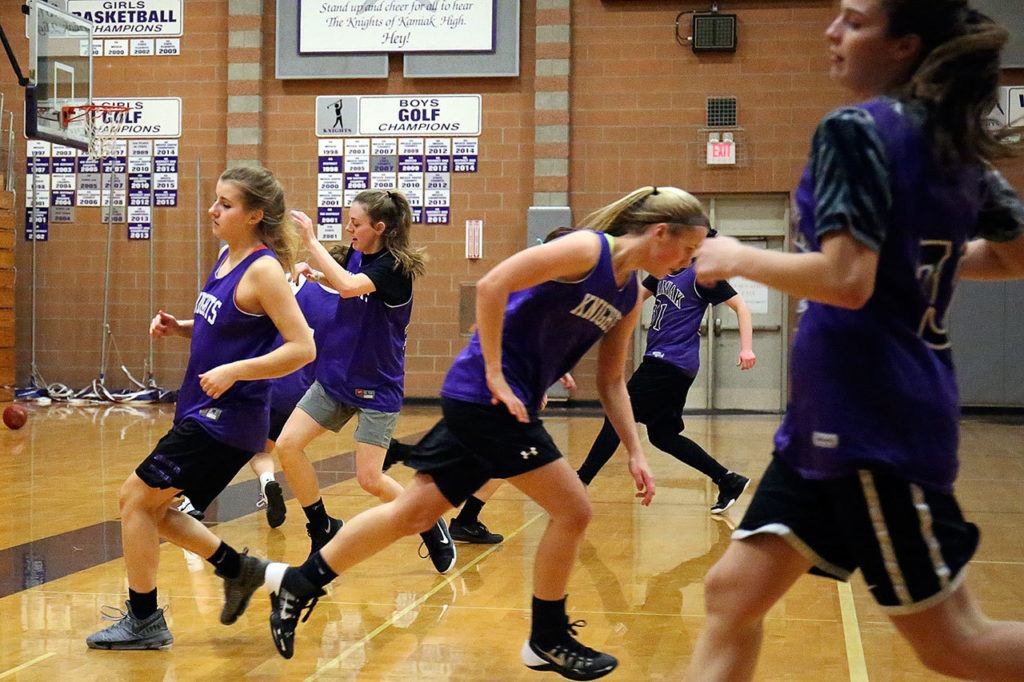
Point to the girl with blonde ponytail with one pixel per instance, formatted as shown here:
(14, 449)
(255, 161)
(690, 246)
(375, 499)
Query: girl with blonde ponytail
(537, 313)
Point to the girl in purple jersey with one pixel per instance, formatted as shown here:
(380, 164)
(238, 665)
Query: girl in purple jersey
(537, 313)
(897, 201)
(361, 369)
(317, 303)
(223, 404)
(671, 361)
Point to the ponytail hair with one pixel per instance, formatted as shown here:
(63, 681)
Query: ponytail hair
(261, 190)
(392, 208)
(556, 233)
(956, 77)
(339, 252)
(648, 205)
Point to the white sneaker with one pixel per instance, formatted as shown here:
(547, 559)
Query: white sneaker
(187, 507)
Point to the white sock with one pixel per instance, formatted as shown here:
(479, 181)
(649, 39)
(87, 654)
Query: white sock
(265, 479)
(273, 577)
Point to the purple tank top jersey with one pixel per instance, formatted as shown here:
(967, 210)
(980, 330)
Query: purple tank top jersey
(675, 319)
(547, 329)
(318, 304)
(876, 385)
(363, 360)
(222, 333)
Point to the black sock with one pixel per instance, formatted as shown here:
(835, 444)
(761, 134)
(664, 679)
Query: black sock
(549, 622)
(470, 511)
(296, 583)
(316, 513)
(316, 570)
(226, 561)
(143, 603)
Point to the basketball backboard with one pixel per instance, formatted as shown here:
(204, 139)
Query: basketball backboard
(60, 74)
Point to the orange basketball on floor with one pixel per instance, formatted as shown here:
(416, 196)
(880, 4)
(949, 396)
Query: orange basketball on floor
(15, 416)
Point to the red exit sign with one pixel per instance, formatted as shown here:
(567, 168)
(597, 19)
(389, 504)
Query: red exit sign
(721, 153)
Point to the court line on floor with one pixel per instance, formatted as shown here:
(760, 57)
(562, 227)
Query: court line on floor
(334, 662)
(851, 633)
(26, 664)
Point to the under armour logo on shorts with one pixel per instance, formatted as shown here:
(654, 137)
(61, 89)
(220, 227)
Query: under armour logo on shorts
(527, 454)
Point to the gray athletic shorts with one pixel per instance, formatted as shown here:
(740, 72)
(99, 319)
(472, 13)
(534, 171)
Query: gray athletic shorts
(374, 427)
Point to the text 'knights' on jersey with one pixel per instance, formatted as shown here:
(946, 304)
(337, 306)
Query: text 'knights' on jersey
(877, 384)
(221, 333)
(547, 329)
(207, 307)
(599, 311)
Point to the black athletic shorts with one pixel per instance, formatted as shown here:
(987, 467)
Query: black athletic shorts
(657, 391)
(911, 544)
(474, 443)
(191, 460)
(277, 422)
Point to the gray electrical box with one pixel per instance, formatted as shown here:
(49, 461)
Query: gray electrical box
(542, 219)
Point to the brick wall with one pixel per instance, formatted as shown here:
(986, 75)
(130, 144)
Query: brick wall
(604, 92)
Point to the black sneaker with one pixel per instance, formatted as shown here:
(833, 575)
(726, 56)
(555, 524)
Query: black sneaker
(730, 488)
(285, 609)
(321, 536)
(440, 546)
(238, 590)
(474, 531)
(569, 658)
(276, 510)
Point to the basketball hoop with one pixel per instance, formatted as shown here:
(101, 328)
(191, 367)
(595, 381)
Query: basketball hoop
(102, 138)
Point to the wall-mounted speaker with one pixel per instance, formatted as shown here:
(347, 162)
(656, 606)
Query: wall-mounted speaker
(714, 32)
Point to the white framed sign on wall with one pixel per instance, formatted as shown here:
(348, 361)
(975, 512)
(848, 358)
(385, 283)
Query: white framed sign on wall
(349, 26)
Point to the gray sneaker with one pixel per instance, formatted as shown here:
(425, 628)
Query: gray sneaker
(130, 632)
(238, 591)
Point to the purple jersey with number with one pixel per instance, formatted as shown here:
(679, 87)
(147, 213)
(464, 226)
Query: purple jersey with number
(221, 333)
(877, 384)
(318, 305)
(679, 305)
(363, 360)
(547, 329)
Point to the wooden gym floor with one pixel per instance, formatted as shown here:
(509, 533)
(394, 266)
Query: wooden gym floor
(638, 583)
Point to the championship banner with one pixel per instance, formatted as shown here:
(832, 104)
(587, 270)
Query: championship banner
(139, 19)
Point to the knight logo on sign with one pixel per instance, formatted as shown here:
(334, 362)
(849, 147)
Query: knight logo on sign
(721, 153)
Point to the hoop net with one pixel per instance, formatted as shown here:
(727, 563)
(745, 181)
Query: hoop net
(101, 127)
